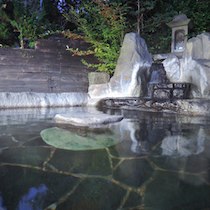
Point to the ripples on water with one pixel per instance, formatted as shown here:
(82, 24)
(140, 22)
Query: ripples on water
(161, 162)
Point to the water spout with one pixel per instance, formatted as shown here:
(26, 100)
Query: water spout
(155, 77)
(40, 5)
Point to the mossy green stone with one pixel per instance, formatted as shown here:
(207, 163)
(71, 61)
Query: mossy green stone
(64, 139)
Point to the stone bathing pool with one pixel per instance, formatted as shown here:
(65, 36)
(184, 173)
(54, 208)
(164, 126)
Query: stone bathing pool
(150, 161)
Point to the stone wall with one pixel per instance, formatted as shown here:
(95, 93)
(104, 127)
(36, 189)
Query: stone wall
(48, 69)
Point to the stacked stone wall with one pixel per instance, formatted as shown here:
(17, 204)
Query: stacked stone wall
(49, 68)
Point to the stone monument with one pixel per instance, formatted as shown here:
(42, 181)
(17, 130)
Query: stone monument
(179, 27)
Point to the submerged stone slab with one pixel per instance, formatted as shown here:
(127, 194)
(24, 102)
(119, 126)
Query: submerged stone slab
(87, 118)
(169, 191)
(33, 156)
(134, 172)
(94, 194)
(31, 180)
(90, 162)
(65, 139)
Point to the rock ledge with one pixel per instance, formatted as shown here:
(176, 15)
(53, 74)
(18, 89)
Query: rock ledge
(87, 119)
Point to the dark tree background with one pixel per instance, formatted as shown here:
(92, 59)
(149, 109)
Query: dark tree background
(22, 20)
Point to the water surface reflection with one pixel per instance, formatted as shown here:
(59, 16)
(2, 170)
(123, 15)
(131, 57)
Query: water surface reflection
(160, 163)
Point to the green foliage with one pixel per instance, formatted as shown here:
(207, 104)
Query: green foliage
(149, 18)
(200, 16)
(157, 34)
(27, 27)
(26, 20)
(4, 32)
(103, 25)
(154, 14)
(197, 11)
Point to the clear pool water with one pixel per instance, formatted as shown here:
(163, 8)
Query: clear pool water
(160, 162)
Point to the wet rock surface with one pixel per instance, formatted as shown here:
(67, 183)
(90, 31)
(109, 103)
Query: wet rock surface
(193, 67)
(180, 106)
(130, 74)
(87, 118)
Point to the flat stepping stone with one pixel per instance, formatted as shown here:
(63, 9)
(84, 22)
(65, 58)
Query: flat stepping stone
(65, 139)
(87, 118)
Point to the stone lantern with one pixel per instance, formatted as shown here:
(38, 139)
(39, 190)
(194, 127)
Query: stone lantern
(179, 27)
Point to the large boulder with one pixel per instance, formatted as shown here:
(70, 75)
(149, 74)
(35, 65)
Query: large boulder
(133, 62)
(194, 67)
(87, 118)
(172, 67)
(131, 71)
(198, 47)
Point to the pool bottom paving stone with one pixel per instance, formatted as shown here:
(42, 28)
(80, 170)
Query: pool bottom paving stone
(86, 180)
(90, 180)
(35, 175)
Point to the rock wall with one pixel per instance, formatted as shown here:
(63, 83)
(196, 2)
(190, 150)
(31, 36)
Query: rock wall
(47, 69)
(48, 76)
(193, 67)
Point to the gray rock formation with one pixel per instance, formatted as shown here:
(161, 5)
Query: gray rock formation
(194, 67)
(87, 118)
(131, 71)
(133, 62)
(172, 68)
(198, 47)
(98, 78)
(194, 107)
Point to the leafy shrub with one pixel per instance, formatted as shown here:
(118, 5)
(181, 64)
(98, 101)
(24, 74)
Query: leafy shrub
(26, 20)
(103, 25)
